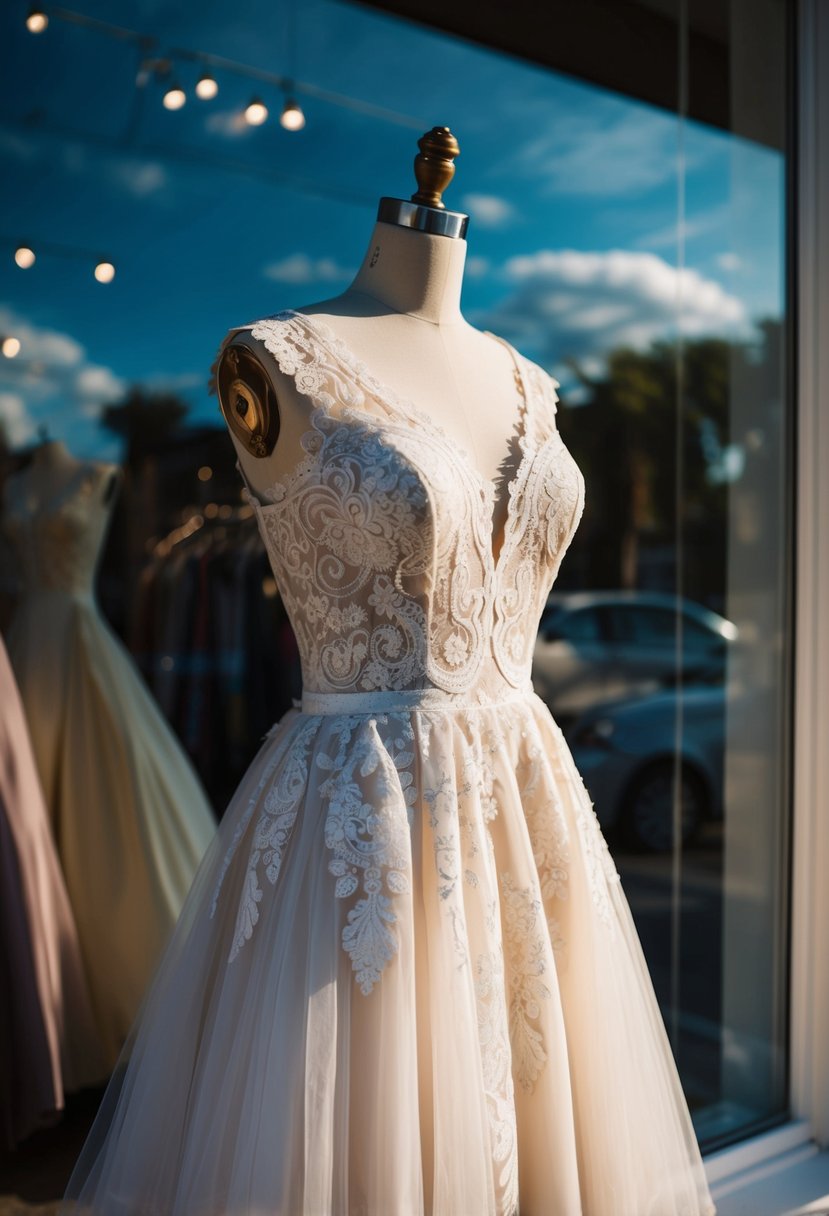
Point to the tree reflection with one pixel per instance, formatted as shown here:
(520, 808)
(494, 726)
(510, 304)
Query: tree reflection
(654, 442)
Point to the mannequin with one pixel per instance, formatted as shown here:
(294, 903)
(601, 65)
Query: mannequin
(53, 471)
(401, 316)
(406, 981)
(54, 482)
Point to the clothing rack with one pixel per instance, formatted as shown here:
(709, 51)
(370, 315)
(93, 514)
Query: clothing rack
(212, 638)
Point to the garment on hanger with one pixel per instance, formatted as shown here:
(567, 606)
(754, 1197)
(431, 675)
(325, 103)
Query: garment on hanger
(48, 1039)
(406, 980)
(130, 819)
(218, 653)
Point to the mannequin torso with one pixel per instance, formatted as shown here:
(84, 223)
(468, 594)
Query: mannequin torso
(57, 509)
(401, 317)
(53, 472)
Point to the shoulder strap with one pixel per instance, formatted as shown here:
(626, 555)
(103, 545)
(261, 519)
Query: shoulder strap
(317, 372)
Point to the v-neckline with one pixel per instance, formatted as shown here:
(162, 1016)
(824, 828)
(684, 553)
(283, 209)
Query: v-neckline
(415, 415)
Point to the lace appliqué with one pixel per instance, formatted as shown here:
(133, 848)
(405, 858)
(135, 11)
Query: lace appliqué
(546, 499)
(272, 833)
(599, 865)
(526, 957)
(367, 829)
(496, 1060)
(344, 544)
(383, 530)
(546, 824)
(442, 801)
(252, 803)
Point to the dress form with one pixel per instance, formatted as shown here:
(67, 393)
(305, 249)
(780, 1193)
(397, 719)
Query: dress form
(406, 981)
(401, 316)
(54, 472)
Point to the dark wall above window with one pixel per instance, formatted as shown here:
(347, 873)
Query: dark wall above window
(633, 47)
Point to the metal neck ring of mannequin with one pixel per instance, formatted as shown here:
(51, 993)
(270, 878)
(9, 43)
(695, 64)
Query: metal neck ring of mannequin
(437, 221)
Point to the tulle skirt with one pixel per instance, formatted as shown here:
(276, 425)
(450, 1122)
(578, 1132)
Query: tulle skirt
(129, 816)
(406, 981)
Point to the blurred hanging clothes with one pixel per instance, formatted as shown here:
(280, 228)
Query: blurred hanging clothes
(130, 819)
(214, 642)
(48, 1039)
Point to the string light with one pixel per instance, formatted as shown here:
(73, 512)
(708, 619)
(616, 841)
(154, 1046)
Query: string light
(104, 272)
(175, 97)
(10, 347)
(256, 112)
(292, 117)
(24, 256)
(36, 21)
(153, 62)
(206, 87)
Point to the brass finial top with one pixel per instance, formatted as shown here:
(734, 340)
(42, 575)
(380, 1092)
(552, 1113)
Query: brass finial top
(434, 165)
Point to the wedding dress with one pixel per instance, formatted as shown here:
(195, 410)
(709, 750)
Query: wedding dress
(406, 980)
(130, 819)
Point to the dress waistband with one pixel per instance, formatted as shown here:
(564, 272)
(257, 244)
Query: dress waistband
(314, 703)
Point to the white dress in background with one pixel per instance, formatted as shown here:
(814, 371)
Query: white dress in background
(406, 980)
(129, 816)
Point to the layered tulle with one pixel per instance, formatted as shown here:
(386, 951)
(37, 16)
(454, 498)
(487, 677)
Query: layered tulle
(128, 813)
(406, 982)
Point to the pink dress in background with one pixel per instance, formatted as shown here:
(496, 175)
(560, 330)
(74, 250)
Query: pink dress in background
(48, 1039)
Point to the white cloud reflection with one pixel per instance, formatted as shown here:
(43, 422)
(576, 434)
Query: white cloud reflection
(300, 268)
(52, 381)
(579, 304)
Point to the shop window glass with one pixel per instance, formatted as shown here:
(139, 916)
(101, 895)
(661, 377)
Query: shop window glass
(633, 245)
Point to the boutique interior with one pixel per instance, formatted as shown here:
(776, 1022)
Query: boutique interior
(181, 169)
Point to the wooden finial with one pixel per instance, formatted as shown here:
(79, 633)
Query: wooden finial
(434, 165)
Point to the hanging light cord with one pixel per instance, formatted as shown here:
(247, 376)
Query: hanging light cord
(149, 44)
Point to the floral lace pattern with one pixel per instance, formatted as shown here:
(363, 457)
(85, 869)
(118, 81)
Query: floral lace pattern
(546, 505)
(547, 826)
(380, 543)
(527, 954)
(380, 538)
(493, 1032)
(272, 832)
(370, 844)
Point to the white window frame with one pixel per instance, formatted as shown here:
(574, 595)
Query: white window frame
(810, 892)
(794, 1149)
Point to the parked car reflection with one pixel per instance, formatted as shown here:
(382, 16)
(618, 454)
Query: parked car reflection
(627, 752)
(598, 646)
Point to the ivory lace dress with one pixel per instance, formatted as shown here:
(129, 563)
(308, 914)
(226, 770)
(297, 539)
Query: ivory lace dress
(406, 980)
(130, 819)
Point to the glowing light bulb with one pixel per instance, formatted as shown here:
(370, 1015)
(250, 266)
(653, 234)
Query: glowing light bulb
(174, 98)
(10, 347)
(25, 257)
(36, 21)
(292, 118)
(206, 87)
(105, 272)
(256, 112)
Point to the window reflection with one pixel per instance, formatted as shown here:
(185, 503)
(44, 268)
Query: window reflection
(635, 254)
(671, 686)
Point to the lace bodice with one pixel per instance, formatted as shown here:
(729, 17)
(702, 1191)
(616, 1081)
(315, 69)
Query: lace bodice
(380, 539)
(59, 536)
